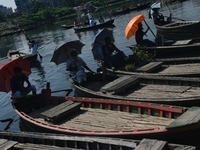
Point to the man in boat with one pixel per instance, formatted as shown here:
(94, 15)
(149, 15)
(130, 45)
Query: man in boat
(101, 20)
(111, 60)
(17, 84)
(34, 47)
(139, 37)
(92, 22)
(76, 67)
(159, 18)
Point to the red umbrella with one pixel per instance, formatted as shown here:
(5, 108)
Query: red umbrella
(6, 72)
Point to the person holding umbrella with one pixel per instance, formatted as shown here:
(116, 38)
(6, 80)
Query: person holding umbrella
(17, 84)
(76, 67)
(139, 37)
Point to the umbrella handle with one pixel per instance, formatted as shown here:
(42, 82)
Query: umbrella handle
(149, 28)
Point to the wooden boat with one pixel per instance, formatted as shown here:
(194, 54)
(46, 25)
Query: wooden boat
(180, 91)
(181, 48)
(15, 53)
(179, 30)
(185, 67)
(108, 118)
(67, 26)
(38, 140)
(108, 23)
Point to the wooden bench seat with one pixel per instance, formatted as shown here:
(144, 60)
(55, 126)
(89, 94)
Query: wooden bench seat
(60, 111)
(182, 42)
(189, 117)
(150, 67)
(151, 144)
(120, 85)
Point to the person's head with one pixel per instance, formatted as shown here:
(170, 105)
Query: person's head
(74, 53)
(140, 26)
(108, 40)
(17, 70)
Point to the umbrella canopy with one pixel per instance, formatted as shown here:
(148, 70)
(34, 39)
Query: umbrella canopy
(62, 52)
(6, 72)
(99, 41)
(132, 26)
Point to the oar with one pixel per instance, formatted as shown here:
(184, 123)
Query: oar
(5, 120)
(149, 28)
(66, 90)
(29, 41)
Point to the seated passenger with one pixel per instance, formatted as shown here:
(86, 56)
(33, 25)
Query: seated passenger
(112, 60)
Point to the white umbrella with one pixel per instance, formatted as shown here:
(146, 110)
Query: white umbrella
(156, 5)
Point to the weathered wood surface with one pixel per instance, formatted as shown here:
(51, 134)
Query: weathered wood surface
(119, 85)
(189, 117)
(6, 144)
(151, 144)
(150, 67)
(58, 112)
(97, 119)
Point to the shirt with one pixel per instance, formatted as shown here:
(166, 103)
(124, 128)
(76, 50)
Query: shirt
(80, 63)
(17, 82)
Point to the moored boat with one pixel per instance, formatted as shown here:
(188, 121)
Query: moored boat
(108, 23)
(30, 140)
(179, 30)
(15, 54)
(67, 26)
(108, 118)
(183, 91)
(181, 48)
(185, 67)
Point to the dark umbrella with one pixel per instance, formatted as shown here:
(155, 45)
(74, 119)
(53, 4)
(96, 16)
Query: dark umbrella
(99, 41)
(62, 52)
(6, 72)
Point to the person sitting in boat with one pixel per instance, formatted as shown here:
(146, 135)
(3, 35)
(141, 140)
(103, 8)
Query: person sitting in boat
(101, 20)
(159, 18)
(111, 60)
(17, 84)
(139, 37)
(76, 67)
(92, 22)
(34, 47)
(76, 24)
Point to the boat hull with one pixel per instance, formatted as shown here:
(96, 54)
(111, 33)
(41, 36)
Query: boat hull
(108, 23)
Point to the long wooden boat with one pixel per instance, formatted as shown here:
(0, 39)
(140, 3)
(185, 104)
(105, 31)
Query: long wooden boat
(67, 26)
(31, 140)
(108, 118)
(181, 48)
(182, 91)
(108, 23)
(15, 54)
(185, 67)
(179, 30)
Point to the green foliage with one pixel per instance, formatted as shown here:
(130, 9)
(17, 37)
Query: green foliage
(143, 55)
(129, 67)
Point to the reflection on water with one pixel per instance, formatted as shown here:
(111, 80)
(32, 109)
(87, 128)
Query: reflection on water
(49, 36)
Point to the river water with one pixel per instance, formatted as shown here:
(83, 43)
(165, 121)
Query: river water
(49, 36)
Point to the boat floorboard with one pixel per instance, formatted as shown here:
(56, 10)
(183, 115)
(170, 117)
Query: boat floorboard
(97, 119)
(153, 90)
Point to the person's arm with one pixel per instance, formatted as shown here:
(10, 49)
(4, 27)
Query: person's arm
(86, 67)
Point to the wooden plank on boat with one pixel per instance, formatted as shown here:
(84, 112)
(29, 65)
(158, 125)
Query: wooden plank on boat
(6, 144)
(150, 67)
(191, 116)
(182, 42)
(151, 144)
(120, 84)
(58, 112)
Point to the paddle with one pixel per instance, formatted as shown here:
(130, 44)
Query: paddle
(29, 41)
(149, 28)
(5, 120)
(66, 90)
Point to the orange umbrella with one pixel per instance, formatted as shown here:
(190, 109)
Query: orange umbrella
(132, 26)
